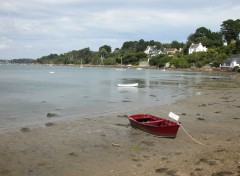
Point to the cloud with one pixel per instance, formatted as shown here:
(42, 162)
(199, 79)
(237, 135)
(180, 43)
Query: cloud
(39, 27)
(5, 43)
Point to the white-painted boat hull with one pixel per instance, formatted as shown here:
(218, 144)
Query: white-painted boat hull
(128, 85)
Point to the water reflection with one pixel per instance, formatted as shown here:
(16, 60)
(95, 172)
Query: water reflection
(28, 93)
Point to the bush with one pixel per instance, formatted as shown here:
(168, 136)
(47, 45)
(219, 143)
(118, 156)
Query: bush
(236, 69)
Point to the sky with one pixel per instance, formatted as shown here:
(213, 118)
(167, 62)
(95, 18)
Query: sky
(36, 28)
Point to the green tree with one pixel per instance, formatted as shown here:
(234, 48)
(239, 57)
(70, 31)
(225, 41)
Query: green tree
(206, 37)
(160, 60)
(103, 52)
(107, 48)
(237, 47)
(141, 45)
(230, 29)
(176, 44)
(180, 62)
(219, 59)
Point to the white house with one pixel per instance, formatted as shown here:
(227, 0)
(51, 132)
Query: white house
(231, 62)
(225, 42)
(153, 51)
(196, 48)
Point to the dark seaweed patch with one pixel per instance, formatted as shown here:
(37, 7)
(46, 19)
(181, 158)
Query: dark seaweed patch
(222, 173)
(73, 154)
(51, 114)
(122, 115)
(125, 101)
(123, 125)
(25, 129)
(166, 171)
(209, 162)
(161, 170)
(49, 124)
(198, 169)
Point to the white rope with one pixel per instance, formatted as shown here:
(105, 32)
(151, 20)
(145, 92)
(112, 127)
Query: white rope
(191, 136)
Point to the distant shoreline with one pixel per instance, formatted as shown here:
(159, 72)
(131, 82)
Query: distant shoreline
(203, 69)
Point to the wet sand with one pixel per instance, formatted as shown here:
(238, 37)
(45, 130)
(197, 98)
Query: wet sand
(108, 146)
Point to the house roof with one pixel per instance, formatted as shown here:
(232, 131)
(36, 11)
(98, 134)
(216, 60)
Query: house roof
(237, 60)
(170, 49)
(235, 57)
(152, 47)
(194, 46)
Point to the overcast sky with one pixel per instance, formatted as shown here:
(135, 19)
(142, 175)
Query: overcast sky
(36, 28)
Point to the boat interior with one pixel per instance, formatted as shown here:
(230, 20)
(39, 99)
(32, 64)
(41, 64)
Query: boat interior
(155, 122)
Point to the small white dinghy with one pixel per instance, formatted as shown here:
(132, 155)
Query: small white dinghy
(128, 85)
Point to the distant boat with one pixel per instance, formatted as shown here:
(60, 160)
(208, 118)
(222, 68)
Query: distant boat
(139, 68)
(154, 125)
(128, 85)
(81, 66)
(121, 69)
(51, 72)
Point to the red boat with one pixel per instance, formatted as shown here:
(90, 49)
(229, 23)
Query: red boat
(154, 125)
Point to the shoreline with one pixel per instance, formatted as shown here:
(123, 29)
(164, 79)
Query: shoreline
(203, 69)
(109, 146)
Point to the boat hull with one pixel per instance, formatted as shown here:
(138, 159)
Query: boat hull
(154, 125)
(128, 85)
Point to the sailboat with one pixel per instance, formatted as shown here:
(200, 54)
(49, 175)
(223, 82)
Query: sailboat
(81, 66)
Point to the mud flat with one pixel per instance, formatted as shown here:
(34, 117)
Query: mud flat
(107, 145)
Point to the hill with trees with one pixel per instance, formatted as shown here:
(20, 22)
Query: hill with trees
(132, 52)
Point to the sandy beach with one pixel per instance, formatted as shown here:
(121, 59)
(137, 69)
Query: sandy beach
(109, 146)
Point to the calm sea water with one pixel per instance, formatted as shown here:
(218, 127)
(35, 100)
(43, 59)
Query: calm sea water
(29, 92)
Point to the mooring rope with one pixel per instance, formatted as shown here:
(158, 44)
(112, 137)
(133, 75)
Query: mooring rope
(187, 132)
(191, 136)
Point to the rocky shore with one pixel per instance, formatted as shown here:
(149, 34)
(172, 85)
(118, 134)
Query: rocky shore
(109, 146)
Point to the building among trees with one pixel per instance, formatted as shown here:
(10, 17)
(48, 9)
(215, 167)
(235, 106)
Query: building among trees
(152, 50)
(233, 61)
(197, 48)
(170, 50)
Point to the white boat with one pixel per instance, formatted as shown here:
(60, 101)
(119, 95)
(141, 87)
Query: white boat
(81, 66)
(128, 85)
(121, 69)
(139, 68)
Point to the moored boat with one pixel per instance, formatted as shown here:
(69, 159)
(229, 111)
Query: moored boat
(154, 125)
(128, 85)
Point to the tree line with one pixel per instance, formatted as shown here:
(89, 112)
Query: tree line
(132, 52)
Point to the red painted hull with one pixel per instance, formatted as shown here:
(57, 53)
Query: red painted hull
(154, 125)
